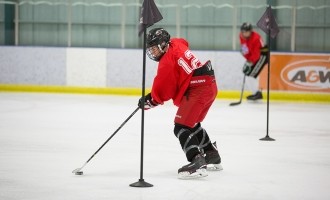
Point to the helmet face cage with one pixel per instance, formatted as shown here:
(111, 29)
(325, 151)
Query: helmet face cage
(160, 38)
(246, 27)
(151, 52)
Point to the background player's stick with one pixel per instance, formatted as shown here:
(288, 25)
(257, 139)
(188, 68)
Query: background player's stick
(78, 170)
(240, 100)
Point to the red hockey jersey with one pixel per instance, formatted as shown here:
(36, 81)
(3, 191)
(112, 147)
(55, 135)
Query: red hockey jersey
(250, 47)
(175, 70)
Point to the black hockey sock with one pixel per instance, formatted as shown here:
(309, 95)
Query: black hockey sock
(203, 138)
(188, 141)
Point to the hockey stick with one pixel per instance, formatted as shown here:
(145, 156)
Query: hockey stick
(240, 100)
(78, 170)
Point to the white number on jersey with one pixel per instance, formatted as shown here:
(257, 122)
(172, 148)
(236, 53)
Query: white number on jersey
(190, 57)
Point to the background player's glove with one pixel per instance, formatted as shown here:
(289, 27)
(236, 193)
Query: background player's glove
(148, 102)
(247, 68)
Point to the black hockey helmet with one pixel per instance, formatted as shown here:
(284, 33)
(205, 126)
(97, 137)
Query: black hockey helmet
(160, 38)
(246, 26)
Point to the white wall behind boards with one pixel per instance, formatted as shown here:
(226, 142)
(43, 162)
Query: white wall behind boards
(124, 68)
(89, 67)
(33, 65)
(86, 67)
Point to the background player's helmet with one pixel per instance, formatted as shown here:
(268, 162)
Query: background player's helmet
(246, 26)
(160, 38)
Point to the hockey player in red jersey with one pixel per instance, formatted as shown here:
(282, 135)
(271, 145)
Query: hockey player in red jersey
(192, 87)
(255, 53)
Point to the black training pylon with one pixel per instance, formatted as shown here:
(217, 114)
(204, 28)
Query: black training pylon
(268, 24)
(149, 16)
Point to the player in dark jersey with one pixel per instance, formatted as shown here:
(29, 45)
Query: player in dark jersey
(255, 53)
(192, 87)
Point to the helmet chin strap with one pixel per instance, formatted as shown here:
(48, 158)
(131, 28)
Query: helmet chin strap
(160, 48)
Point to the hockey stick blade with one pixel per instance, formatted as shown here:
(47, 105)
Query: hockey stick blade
(76, 170)
(235, 104)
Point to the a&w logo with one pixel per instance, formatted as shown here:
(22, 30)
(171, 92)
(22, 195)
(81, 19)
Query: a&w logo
(307, 74)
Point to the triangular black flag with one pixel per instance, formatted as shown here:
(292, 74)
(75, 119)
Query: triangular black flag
(268, 23)
(149, 15)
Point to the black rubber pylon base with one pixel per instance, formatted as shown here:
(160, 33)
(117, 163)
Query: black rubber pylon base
(267, 138)
(141, 183)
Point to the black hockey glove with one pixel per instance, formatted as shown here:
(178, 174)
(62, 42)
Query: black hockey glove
(247, 68)
(148, 102)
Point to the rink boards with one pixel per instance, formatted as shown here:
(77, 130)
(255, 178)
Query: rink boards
(119, 71)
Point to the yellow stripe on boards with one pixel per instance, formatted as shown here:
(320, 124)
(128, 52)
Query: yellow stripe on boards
(280, 96)
(69, 89)
(225, 94)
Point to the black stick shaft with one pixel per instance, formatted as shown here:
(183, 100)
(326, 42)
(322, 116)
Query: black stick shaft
(113, 134)
(143, 96)
(242, 91)
(241, 97)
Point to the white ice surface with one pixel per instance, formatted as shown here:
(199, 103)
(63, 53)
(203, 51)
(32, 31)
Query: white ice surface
(43, 137)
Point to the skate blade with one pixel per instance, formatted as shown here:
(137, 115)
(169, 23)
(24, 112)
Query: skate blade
(200, 173)
(214, 167)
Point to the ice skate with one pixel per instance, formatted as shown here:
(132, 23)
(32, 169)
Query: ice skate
(213, 159)
(256, 96)
(195, 169)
